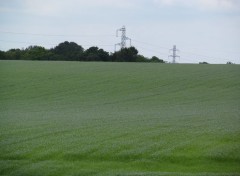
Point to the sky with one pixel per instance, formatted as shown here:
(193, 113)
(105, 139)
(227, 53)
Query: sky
(202, 30)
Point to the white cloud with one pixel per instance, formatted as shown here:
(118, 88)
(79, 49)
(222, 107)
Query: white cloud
(219, 4)
(38, 7)
(43, 7)
(55, 7)
(204, 4)
(116, 3)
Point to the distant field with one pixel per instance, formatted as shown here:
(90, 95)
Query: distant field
(76, 118)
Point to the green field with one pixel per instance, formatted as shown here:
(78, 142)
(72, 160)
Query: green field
(77, 118)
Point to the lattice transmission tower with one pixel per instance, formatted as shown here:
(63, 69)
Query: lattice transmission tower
(124, 38)
(174, 55)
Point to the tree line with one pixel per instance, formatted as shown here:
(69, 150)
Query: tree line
(70, 51)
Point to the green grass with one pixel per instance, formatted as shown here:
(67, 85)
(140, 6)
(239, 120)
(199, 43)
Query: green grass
(75, 118)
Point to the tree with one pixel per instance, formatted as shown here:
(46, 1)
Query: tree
(156, 59)
(36, 53)
(141, 58)
(103, 55)
(96, 54)
(203, 63)
(2, 55)
(125, 55)
(13, 54)
(68, 51)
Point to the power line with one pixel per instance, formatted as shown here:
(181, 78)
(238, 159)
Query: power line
(90, 35)
(94, 35)
(200, 55)
(7, 41)
(186, 52)
(10, 41)
(152, 50)
(150, 44)
(189, 53)
(56, 35)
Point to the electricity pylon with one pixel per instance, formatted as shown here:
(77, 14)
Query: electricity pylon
(174, 55)
(124, 38)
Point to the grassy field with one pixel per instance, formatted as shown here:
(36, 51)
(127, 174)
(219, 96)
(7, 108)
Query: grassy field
(75, 118)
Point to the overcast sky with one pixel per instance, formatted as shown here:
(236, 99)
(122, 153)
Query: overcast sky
(203, 30)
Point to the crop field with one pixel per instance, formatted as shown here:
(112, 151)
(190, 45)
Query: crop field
(125, 119)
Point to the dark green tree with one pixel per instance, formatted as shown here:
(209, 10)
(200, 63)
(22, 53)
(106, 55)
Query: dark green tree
(36, 53)
(96, 54)
(156, 59)
(141, 58)
(125, 55)
(68, 51)
(2, 55)
(203, 62)
(14, 54)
